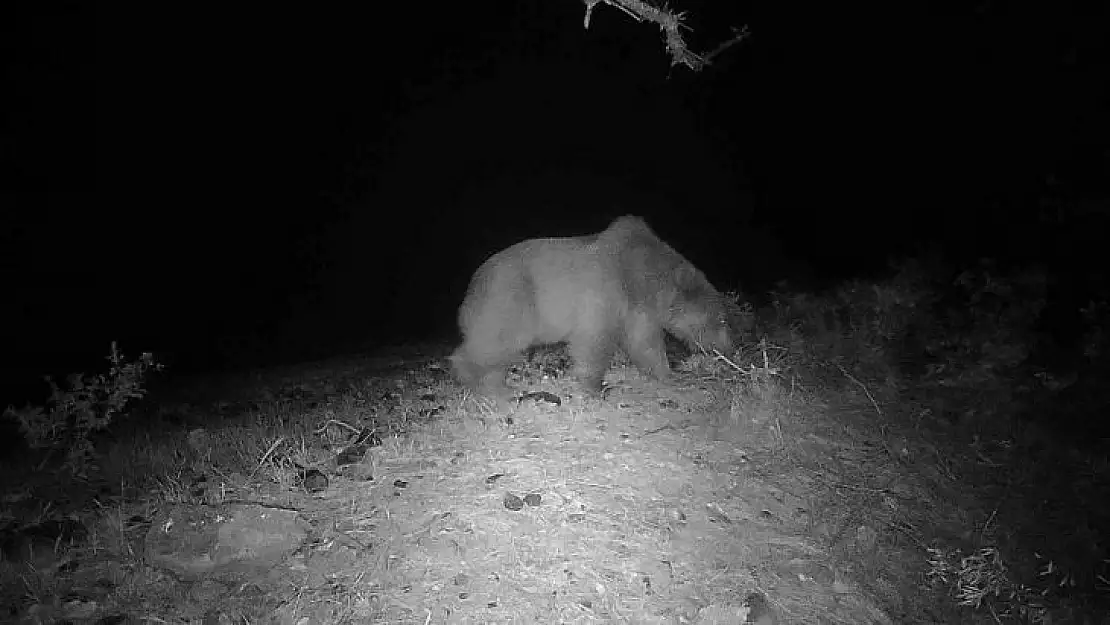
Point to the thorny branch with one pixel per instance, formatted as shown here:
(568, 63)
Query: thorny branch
(671, 25)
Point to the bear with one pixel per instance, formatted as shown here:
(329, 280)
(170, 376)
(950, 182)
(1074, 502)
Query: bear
(621, 288)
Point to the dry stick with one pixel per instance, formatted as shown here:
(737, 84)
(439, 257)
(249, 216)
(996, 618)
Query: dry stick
(331, 422)
(266, 455)
(671, 25)
(861, 385)
(752, 369)
(738, 35)
(728, 362)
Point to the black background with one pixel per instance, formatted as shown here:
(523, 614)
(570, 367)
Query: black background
(290, 181)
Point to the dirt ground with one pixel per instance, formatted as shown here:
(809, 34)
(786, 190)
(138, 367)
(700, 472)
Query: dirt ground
(713, 499)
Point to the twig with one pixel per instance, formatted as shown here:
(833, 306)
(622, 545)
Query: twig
(265, 456)
(330, 422)
(738, 35)
(671, 25)
(861, 385)
(752, 369)
(729, 362)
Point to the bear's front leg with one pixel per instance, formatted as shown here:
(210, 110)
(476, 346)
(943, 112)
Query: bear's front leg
(646, 347)
(592, 353)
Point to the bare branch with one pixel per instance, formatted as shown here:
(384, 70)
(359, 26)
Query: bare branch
(671, 25)
(738, 35)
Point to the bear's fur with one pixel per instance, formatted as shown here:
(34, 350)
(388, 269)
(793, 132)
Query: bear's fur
(620, 288)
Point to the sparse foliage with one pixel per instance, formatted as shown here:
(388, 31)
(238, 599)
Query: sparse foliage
(969, 347)
(861, 326)
(979, 344)
(72, 414)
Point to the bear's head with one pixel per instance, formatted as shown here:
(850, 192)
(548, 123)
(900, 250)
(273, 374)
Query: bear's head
(702, 322)
(698, 313)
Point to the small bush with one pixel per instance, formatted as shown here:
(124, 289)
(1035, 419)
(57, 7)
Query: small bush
(860, 326)
(71, 415)
(980, 345)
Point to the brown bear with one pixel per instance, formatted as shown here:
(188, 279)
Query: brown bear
(618, 289)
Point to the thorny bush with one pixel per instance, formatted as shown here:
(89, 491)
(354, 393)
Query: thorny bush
(71, 415)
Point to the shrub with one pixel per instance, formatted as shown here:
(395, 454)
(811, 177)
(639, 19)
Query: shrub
(71, 415)
(980, 347)
(860, 326)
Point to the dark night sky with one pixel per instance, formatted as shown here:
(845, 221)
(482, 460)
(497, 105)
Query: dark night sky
(330, 174)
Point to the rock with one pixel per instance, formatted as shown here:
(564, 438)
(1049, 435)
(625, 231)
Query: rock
(233, 542)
